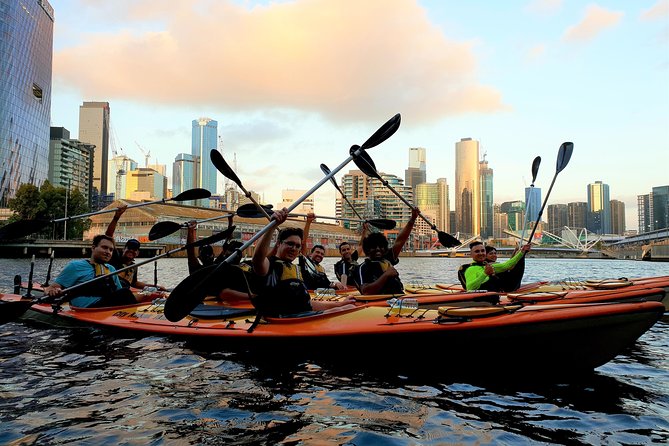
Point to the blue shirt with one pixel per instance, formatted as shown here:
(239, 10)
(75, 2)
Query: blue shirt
(80, 271)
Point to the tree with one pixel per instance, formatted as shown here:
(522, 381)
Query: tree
(48, 203)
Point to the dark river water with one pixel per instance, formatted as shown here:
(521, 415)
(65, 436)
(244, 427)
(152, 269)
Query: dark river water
(94, 387)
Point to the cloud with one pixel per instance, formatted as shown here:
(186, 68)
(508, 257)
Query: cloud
(536, 52)
(596, 20)
(345, 60)
(659, 11)
(544, 7)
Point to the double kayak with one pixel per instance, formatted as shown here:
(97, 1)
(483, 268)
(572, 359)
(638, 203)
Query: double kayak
(547, 339)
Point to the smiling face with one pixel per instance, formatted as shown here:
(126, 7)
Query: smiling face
(317, 255)
(477, 253)
(345, 251)
(102, 253)
(129, 254)
(491, 256)
(289, 248)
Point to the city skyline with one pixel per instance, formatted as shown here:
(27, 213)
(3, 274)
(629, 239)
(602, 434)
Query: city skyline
(556, 72)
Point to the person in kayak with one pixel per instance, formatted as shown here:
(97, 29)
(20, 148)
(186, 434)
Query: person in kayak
(349, 257)
(104, 292)
(313, 273)
(483, 275)
(126, 256)
(282, 289)
(377, 274)
(205, 254)
(509, 280)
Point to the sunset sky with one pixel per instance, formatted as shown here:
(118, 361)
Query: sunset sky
(294, 84)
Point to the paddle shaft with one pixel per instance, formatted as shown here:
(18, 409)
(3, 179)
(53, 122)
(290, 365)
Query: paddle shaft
(328, 218)
(106, 211)
(296, 203)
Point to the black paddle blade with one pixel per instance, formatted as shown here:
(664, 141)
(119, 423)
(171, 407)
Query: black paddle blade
(163, 229)
(447, 240)
(223, 167)
(564, 154)
(12, 310)
(364, 163)
(250, 210)
(384, 132)
(22, 228)
(192, 194)
(535, 168)
(383, 223)
(192, 290)
(326, 171)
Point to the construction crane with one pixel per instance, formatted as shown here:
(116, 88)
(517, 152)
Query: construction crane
(146, 153)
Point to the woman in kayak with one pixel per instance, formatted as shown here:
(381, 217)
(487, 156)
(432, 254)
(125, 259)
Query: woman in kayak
(282, 290)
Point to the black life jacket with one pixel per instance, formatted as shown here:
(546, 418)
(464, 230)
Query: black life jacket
(313, 275)
(377, 267)
(283, 291)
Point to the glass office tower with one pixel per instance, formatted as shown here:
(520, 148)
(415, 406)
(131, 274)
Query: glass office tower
(205, 136)
(26, 50)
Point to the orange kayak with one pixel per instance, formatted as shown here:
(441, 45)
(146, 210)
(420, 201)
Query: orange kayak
(548, 338)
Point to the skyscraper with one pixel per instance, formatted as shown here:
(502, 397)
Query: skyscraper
(117, 178)
(417, 171)
(599, 208)
(444, 220)
(205, 137)
(94, 129)
(645, 212)
(467, 187)
(26, 50)
(661, 207)
(617, 217)
(184, 172)
(486, 199)
(558, 217)
(578, 214)
(533, 200)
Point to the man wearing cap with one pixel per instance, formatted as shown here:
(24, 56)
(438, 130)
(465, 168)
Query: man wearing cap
(126, 257)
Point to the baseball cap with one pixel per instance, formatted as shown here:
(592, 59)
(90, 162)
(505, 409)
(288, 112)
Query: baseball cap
(133, 243)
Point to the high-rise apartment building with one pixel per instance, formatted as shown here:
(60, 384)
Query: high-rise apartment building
(417, 171)
(427, 199)
(617, 217)
(599, 208)
(558, 217)
(645, 212)
(467, 187)
(205, 138)
(288, 197)
(94, 129)
(26, 50)
(577, 214)
(70, 162)
(486, 175)
(184, 172)
(515, 214)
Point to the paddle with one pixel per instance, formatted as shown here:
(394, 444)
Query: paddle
(381, 223)
(192, 290)
(165, 228)
(563, 157)
(224, 168)
(326, 171)
(22, 228)
(10, 310)
(535, 171)
(366, 164)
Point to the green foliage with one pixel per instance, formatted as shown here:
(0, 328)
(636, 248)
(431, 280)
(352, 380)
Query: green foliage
(48, 203)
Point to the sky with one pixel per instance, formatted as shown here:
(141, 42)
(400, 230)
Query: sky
(294, 84)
